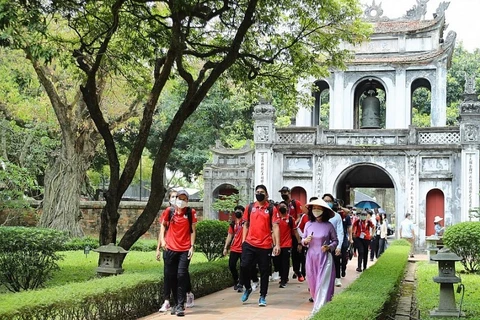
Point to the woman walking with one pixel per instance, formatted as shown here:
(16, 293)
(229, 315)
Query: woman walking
(321, 238)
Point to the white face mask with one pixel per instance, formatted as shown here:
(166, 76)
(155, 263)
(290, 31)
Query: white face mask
(172, 200)
(317, 212)
(181, 203)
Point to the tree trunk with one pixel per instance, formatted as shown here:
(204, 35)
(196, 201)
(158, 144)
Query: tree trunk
(63, 182)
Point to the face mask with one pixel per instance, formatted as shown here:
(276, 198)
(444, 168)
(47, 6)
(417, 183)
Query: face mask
(330, 204)
(181, 203)
(285, 197)
(282, 210)
(260, 197)
(317, 212)
(172, 200)
(363, 217)
(238, 214)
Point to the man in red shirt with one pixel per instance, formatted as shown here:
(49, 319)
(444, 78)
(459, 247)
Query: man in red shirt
(261, 218)
(288, 230)
(177, 245)
(295, 211)
(234, 241)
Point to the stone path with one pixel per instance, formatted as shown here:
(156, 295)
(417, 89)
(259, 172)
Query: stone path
(288, 303)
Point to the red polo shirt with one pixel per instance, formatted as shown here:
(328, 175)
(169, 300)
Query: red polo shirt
(260, 228)
(286, 232)
(303, 221)
(178, 233)
(236, 230)
(363, 226)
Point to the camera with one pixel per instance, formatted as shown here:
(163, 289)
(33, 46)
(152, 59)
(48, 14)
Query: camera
(336, 205)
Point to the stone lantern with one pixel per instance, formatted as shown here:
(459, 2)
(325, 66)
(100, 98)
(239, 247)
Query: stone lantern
(110, 259)
(446, 277)
(432, 246)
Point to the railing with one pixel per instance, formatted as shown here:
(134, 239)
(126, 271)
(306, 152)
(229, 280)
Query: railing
(375, 137)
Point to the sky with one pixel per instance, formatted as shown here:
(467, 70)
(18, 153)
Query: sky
(462, 16)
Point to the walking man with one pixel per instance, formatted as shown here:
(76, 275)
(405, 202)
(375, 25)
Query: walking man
(177, 244)
(407, 232)
(234, 242)
(295, 211)
(261, 218)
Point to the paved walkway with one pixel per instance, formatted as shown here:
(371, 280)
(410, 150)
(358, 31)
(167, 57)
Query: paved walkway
(288, 303)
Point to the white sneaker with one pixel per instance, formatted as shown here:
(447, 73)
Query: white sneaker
(275, 276)
(254, 286)
(338, 282)
(165, 306)
(190, 300)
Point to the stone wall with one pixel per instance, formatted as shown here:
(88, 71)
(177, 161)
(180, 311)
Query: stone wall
(129, 211)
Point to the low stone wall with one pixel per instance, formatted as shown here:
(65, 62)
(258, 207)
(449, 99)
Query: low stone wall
(129, 212)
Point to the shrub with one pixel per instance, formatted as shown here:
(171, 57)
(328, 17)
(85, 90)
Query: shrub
(27, 256)
(80, 243)
(144, 245)
(210, 239)
(464, 240)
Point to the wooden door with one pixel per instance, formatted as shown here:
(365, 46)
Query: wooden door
(435, 207)
(298, 193)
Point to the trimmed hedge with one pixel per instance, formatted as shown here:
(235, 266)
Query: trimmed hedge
(376, 287)
(126, 296)
(80, 244)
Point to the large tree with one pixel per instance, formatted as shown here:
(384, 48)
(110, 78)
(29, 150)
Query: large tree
(39, 40)
(258, 45)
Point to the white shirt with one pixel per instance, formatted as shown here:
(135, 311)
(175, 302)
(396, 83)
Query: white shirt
(406, 228)
(337, 223)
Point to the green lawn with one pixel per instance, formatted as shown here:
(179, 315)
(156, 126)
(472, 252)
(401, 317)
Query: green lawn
(428, 292)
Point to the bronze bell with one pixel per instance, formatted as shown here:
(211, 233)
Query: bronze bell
(371, 110)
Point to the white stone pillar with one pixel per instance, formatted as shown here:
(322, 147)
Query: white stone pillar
(470, 182)
(264, 137)
(398, 107)
(338, 108)
(439, 96)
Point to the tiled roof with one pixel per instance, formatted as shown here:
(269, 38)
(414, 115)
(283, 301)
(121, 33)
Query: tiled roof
(404, 26)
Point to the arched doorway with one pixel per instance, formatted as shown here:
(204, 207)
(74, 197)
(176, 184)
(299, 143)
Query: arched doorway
(222, 192)
(370, 176)
(435, 203)
(298, 193)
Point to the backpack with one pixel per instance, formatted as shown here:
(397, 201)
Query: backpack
(270, 212)
(189, 216)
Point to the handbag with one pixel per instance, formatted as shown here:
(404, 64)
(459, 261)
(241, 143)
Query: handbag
(350, 251)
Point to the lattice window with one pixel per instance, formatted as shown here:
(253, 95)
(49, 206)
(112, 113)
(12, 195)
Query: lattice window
(439, 137)
(293, 138)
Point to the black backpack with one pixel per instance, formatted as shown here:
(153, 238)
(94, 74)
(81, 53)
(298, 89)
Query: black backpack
(189, 216)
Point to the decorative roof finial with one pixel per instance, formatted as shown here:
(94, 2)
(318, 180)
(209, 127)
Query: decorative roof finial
(418, 11)
(374, 12)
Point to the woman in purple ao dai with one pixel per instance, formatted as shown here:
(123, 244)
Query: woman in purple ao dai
(321, 238)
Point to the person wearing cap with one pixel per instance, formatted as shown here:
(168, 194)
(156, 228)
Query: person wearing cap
(362, 237)
(260, 233)
(177, 244)
(234, 241)
(407, 232)
(295, 211)
(321, 238)
(438, 228)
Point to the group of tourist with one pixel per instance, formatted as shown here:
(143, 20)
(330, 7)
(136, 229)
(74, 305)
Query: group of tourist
(264, 236)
